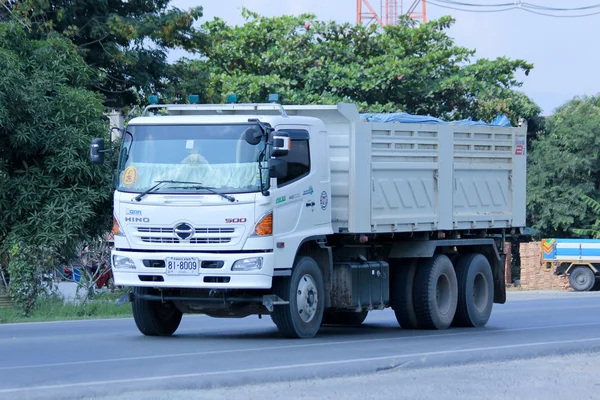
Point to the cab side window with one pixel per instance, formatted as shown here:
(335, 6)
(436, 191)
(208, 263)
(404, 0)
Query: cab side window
(298, 158)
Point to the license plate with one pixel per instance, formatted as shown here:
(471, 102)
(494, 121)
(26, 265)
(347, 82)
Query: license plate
(182, 266)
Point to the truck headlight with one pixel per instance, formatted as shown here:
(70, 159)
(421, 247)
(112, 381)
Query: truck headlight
(248, 264)
(123, 262)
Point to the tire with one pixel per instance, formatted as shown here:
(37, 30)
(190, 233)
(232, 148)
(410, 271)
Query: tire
(403, 304)
(436, 293)
(475, 291)
(344, 318)
(154, 318)
(582, 278)
(304, 290)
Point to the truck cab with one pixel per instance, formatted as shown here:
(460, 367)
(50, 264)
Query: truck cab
(210, 223)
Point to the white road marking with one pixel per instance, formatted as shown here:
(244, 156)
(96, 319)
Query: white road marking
(294, 366)
(294, 346)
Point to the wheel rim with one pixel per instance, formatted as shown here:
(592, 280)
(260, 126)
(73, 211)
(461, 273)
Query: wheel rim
(581, 278)
(480, 292)
(165, 311)
(443, 295)
(307, 298)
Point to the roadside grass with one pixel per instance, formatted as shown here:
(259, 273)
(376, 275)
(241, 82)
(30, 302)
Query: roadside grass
(52, 308)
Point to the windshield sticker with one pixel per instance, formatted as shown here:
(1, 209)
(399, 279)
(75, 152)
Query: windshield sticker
(129, 176)
(294, 196)
(280, 200)
(309, 191)
(189, 144)
(324, 200)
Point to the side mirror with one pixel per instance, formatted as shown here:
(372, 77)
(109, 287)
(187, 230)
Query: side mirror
(97, 151)
(252, 136)
(278, 168)
(281, 145)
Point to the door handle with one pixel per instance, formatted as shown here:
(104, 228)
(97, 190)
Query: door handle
(310, 204)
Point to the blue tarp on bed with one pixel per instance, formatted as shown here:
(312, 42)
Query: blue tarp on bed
(500, 120)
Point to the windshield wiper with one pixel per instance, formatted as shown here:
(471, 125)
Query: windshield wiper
(198, 185)
(145, 192)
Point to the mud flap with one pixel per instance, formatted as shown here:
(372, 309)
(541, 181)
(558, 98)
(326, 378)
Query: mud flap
(500, 280)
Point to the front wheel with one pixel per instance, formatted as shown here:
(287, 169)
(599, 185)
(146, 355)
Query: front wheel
(304, 290)
(582, 279)
(154, 318)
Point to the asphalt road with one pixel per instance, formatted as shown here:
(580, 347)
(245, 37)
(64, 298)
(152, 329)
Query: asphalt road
(83, 359)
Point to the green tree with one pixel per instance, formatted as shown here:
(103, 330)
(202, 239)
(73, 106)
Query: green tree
(125, 41)
(416, 69)
(50, 194)
(593, 230)
(564, 167)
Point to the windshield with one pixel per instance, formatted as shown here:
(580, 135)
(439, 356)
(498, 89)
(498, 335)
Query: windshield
(217, 156)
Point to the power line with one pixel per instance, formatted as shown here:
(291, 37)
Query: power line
(563, 9)
(512, 7)
(520, 5)
(459, 3)
(560, 16)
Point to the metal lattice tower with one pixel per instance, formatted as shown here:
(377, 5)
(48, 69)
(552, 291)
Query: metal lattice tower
(389, 10)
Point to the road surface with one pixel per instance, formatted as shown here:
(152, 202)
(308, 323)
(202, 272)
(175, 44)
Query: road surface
(84, 359)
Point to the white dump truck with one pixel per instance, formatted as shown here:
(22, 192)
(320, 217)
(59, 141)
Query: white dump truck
(313, 214)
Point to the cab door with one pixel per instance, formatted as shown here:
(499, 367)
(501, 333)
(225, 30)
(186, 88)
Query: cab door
(302, 201)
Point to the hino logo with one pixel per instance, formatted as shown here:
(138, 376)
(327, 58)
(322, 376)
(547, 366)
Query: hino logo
(136, 219)
(184, 231)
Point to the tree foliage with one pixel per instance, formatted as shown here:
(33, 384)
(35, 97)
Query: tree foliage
(594, 229)
(565, 168)
(50, 194)
(416, 69)
(125, 41)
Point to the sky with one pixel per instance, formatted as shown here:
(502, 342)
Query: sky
(562, 50)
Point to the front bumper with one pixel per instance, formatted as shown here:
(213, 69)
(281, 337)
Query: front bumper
(208, 278)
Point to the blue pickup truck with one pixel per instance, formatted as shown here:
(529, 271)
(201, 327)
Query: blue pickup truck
(579, 259)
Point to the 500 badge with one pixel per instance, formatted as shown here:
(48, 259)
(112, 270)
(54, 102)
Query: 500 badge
(235, 220)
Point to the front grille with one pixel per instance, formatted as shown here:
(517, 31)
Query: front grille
(209, 240)
(150, 239)
(217, 279)
(154, 263)
(215, 230)
(212, 264)
(155, 230)
(202, 236)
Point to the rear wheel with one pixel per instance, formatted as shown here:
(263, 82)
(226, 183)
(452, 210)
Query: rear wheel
(304, 290)
(475, 291)
(403, 279)
(154, 318)
(344, 318)
(436, 293)
(582, 278)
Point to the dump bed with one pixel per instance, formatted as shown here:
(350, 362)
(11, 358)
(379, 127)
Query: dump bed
(420, 177)
(411, 177)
